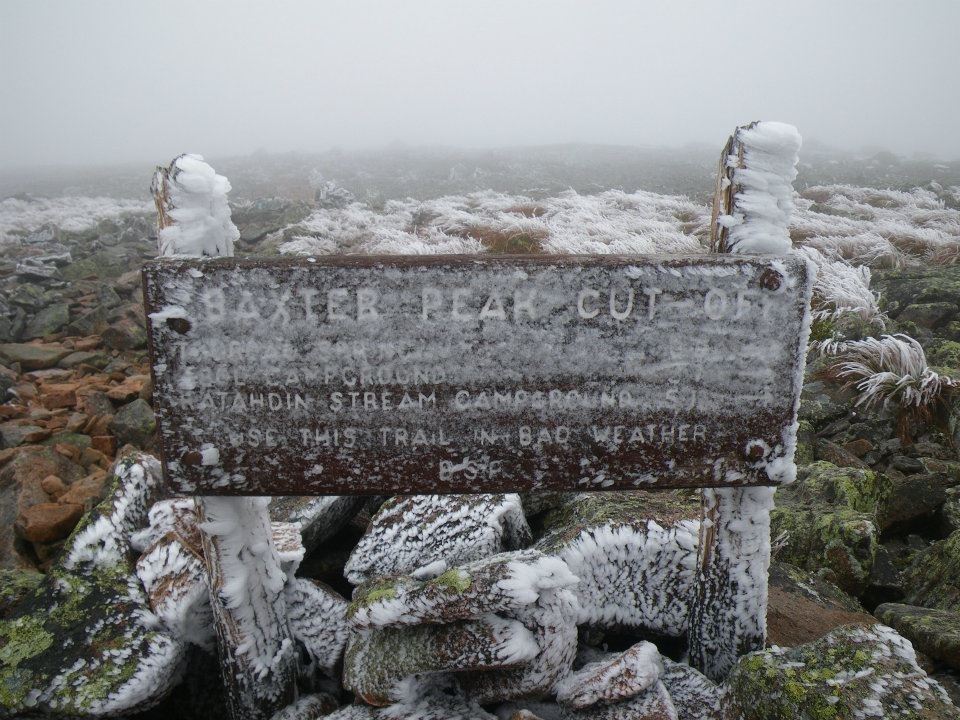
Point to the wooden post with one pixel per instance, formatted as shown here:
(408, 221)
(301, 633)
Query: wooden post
(729, 613)
(728, 617)
(257, 653)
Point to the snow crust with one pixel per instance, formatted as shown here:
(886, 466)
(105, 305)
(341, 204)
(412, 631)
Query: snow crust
(199, 209)
(763, 204)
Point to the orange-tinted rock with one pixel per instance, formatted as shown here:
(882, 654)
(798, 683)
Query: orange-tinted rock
(59, 395)
(53, 486)
(68, 451)
(859, 447)
(106, 444)
(48, 522)
(87, 343)
(92, 456)
(130, 389)
(87, 491)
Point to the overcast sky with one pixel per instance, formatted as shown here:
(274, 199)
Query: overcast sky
(142, 80)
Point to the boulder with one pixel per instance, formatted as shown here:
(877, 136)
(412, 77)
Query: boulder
(437, 532)
(617, 677)
(308, 707)
(429, 698)
(935, 633)
(135, 423)
(829, 519)
(933, 578)
(15, 585)
(125, 333)
(855, 671)
(91, 322)
(48, 321)
(511, 615)
(21, 486)
(917, 285)
(320, 518)
(263, 216)
(802, 607)
(16, 433)
(915, 501)
(84, 642)
(32, 356)
(634, 554)
(48, 522)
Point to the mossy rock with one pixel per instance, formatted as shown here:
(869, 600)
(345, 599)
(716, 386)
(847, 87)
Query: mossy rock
(830, 521)
(15, 585)
(946, 354)
(853, 672)
(934, 576)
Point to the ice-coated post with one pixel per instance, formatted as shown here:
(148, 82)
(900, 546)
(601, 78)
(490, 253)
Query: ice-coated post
(257, 653)
(751, 213)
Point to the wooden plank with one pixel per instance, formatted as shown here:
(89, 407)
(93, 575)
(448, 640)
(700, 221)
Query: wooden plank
(357, 375)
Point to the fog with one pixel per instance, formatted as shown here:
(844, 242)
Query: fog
(107, 82)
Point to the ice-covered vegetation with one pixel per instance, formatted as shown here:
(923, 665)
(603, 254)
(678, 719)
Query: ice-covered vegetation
(892, 372)
(23, 219)
(609, 222)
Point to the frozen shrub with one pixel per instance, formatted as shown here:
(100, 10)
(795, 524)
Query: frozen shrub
(892, 372)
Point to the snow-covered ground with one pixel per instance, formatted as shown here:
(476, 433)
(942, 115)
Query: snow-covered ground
(22, 216)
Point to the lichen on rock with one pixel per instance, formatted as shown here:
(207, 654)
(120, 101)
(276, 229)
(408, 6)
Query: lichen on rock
(830, 520)
(512, 615)
(84, 642)
(853, 672)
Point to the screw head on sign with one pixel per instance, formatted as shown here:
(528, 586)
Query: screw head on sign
(770, 279)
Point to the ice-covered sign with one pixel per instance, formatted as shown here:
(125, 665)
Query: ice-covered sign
(352, 375)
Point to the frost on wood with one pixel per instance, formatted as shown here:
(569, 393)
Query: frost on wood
(85, 643)
(729, 614)
(247, 596)
(435, 532)
(616, 678)
(193, 214)
(317, 618)
(512, 609)
(761, 165)
(635, 555)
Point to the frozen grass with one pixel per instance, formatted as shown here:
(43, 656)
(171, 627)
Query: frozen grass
(22, 216)
(842, 288)
(892, 372)
(609, 222)
(880, 228)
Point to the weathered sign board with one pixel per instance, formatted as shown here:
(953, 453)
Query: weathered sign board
(352, 375)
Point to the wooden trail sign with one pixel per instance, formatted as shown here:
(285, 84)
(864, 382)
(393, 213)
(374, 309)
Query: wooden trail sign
(353, 375)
